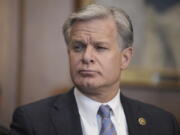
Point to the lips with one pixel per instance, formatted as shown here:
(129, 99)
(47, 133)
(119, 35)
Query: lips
(87, 72)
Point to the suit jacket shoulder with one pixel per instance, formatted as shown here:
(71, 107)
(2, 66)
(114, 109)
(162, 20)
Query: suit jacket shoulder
(147, 108)
(147, 119)
(51, 116)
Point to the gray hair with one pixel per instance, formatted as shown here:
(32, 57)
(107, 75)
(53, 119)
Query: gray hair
(94, 11)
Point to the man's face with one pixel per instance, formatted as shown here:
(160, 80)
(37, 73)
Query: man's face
(95, 57)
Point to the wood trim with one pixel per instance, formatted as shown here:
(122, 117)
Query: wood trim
(151, 78)
(81, 3)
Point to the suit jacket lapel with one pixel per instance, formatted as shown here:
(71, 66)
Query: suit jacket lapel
(65, 115)
(66, 118)
(135, 117)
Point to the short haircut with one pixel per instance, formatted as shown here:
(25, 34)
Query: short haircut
(94, 11)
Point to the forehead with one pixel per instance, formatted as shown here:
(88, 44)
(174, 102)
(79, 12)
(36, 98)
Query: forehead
(99, 27)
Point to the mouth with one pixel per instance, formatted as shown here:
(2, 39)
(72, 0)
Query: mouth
(86, 72)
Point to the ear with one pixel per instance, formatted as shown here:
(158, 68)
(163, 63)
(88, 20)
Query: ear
(126, 56)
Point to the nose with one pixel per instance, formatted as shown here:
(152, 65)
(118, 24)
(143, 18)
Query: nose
(88, 56)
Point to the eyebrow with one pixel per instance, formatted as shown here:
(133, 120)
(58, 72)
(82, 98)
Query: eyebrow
(100, 42)
(77, 41)
(92, 42)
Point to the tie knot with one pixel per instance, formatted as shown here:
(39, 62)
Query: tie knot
(104, 111)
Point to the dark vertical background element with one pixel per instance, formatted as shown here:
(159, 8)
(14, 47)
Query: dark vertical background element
(81, 3)
(170, 60)
(77, 4)
(162, 5)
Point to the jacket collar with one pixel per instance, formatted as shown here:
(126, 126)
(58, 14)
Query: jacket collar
(137, 119)
(65, 115)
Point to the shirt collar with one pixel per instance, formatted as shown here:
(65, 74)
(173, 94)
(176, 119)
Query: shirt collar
(88, 108)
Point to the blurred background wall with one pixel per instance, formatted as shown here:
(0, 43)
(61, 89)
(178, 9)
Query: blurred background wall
(9, 36)
(33, 56)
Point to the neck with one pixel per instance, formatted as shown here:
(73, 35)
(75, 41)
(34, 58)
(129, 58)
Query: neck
(102, 95)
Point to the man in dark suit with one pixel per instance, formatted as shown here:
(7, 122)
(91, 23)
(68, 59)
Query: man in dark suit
(99, 42)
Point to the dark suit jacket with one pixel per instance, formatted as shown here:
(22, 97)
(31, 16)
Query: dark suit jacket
(59, 116)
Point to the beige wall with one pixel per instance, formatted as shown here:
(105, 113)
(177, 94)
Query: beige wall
(9, 24)
(43, 62)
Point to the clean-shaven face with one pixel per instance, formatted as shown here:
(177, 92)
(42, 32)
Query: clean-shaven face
(94, 55)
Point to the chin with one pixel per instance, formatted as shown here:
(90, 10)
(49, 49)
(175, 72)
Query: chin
(86, 86)
(86, 83)
(88, 89)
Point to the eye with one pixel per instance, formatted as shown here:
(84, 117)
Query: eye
(100, 47)
(78, 46)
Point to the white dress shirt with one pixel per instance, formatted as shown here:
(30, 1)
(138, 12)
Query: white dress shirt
(91, 121)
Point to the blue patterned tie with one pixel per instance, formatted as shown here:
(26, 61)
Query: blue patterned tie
(107, 127)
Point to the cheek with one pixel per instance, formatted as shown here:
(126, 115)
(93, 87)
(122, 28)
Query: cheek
(112, 65)
(73, 61)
